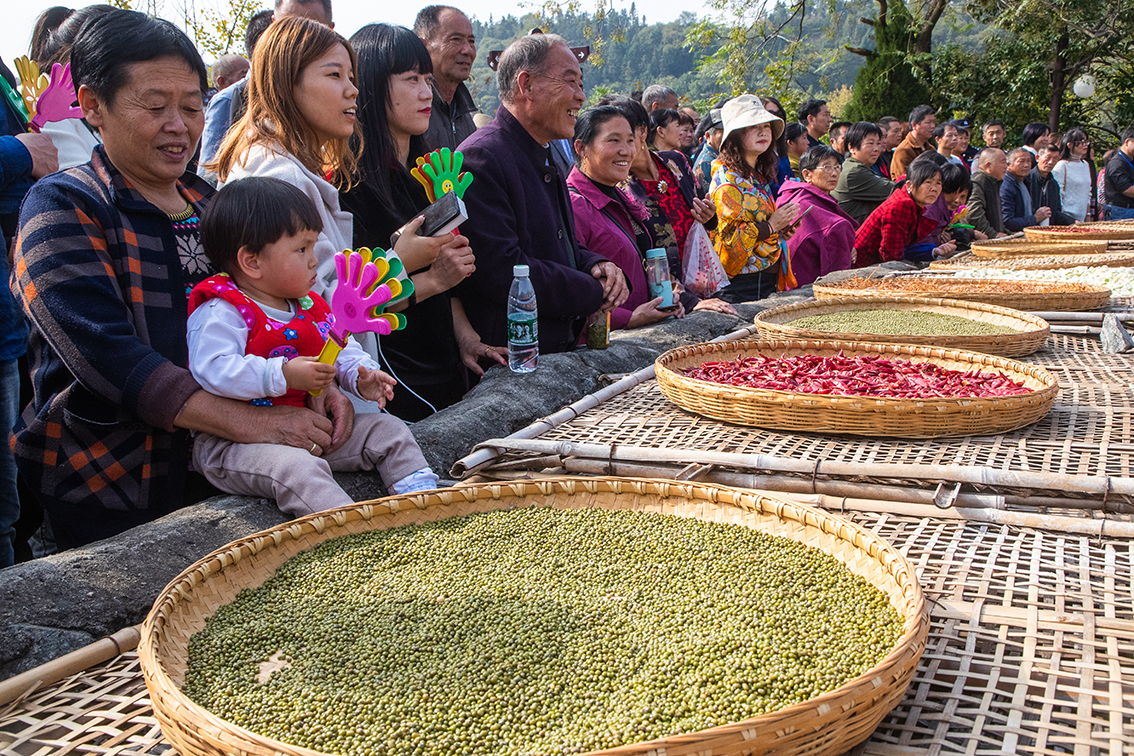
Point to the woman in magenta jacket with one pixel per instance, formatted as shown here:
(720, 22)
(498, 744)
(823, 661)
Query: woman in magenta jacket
(609, 221)
(824, 240)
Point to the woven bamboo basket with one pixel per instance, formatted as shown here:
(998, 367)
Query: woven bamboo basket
(1120, 259)
(1032, 331)
(1044, 296)
(855, 415)
(828, 724)
(1026, 246)
(1098, 231)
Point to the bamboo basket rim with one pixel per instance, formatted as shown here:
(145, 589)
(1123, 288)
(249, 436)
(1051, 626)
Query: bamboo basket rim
(1092, 288)
(1119, 259)
(325, 525)
(1107, 231)
(1014, 369)
(996, 248)
(1095, 297)
(1032, 331)
(932, 417)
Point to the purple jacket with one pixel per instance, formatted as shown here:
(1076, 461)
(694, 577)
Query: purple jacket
(515, 203)
(824, 241)
(599, 233)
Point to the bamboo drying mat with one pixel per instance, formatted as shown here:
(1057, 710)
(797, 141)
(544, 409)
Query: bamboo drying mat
(1030, 651)
(1089, 431)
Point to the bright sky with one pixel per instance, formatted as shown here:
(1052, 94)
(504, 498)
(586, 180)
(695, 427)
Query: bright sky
(350, 15)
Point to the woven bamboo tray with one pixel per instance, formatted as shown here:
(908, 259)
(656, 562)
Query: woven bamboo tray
(855, 415)
(1121, 259)
(1099, 231)
(1033, 332)
(828, 724)
(1026, 246)
(1050, 300)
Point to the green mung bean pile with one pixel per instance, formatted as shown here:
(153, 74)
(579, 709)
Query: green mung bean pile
(899, 323)
(535, 631)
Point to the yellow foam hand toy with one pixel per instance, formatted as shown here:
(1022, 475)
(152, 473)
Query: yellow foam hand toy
(32, 83)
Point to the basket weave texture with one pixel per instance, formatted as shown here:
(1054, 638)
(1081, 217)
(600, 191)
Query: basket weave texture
(1039, 246)
(828, 724)
(1120, 259)
(1045, 297)
(1102, 231)
(855, 415)
(1033, 332)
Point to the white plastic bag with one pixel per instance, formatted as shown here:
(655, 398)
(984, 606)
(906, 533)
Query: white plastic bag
(702, 272)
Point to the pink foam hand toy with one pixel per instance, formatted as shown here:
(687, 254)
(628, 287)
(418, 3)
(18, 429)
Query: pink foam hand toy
(367, 284)
(57, 103)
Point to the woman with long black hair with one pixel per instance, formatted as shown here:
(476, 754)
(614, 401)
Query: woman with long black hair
(394, 104)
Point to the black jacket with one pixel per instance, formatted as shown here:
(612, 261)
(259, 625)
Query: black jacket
(1045, 193)
(451, 125)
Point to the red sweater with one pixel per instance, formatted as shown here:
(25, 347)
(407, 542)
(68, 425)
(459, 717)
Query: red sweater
(893, 226)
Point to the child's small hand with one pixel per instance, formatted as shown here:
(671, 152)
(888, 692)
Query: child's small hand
(308, 374)
(376, 386)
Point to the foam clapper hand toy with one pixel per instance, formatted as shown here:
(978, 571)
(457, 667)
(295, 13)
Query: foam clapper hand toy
(367, 285)
(440, 173)
(57, 101)
(32, 83)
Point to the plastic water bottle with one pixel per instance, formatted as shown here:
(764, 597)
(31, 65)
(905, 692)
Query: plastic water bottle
(658, 280)
(523, 323)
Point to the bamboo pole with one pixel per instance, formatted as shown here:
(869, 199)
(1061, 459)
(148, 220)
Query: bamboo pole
(483, 455)
(24, 684)
(1083, 317)
(1090, 486)
(977, 513)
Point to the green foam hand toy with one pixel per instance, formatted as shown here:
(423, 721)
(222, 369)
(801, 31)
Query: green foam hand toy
(440, 173)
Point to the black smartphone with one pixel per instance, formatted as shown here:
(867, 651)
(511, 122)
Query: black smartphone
(443, 215)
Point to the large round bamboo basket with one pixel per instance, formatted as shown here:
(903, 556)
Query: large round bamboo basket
(828, 724)
(1098, 231)
(1035, 247)
(1031, 334)
(855, 415)
(1120, 259)
(1042, 296)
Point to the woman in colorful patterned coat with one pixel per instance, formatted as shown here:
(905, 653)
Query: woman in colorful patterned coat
(752, 232)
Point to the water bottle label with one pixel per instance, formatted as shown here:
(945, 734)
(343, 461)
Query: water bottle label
(523, 330)
(662, 289)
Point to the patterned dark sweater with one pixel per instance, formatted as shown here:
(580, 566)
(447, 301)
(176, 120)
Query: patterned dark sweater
(97, 272)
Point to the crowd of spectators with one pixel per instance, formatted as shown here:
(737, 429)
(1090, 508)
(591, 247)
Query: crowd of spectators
(172, 252)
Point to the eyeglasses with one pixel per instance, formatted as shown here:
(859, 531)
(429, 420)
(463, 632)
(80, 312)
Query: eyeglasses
(836, 168)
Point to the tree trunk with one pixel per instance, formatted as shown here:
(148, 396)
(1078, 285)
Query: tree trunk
(1058, 80)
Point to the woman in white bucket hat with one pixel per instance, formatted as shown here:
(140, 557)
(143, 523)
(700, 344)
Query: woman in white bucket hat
(752, 232)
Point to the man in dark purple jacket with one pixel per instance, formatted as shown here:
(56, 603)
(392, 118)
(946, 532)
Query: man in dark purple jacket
(518, 207)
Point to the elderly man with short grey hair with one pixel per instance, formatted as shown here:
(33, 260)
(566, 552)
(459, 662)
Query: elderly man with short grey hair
(448, 35)
(659, 97)
(519, 211)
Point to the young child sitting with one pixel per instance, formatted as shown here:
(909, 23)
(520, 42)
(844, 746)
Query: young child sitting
(255, 331)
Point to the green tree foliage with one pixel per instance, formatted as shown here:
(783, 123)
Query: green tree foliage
(217, 30)
(888, 83)
(633, 55)
(1036, 49)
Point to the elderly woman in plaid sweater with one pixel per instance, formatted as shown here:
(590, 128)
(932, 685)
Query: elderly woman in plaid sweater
(105, 257)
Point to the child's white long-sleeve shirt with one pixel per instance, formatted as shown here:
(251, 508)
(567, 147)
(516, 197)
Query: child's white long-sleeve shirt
(218, 337)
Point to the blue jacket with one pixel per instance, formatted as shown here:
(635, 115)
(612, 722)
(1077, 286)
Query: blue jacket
(1015, 205)
(15, 180)
(520, 213)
